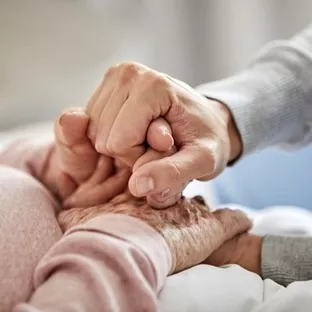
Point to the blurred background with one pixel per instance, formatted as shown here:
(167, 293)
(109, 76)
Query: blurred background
(53, 53)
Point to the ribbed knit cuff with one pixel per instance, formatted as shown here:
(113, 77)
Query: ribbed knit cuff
(286, 259)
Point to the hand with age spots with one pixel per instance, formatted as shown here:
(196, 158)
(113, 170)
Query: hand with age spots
(190, 230)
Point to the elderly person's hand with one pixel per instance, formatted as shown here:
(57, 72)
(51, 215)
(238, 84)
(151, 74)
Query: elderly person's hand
(190, 230)
(244, 250)
(123, 121)
(76, 172)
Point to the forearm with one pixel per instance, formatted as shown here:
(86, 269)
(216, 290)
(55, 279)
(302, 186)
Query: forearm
(113, 262)
(271, 100)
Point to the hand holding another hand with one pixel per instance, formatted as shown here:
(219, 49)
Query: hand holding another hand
(124, 118)
(190, 230)
(83, 176)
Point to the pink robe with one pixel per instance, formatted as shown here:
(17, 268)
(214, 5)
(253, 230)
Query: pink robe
(111, 263)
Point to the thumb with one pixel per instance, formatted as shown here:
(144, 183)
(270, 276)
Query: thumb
(76, 154)
(71, 127)
(172, 172)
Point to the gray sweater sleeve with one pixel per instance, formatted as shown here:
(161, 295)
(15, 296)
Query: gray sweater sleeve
(286, 259)
(271, 100)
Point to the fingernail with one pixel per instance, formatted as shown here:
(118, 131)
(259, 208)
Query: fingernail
(144, 185)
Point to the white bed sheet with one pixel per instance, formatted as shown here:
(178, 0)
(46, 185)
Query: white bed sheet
(233, 289)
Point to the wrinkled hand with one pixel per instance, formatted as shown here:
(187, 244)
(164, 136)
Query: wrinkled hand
(84, 177)
(123, 112)
(191, 232)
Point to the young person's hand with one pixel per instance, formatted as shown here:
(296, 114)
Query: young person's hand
(122, 111)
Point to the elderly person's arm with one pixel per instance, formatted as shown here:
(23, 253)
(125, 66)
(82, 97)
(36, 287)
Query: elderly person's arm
(67, 161)
(112, 263)
(116, 256)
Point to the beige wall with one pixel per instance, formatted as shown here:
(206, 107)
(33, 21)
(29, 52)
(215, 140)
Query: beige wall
(53, 52)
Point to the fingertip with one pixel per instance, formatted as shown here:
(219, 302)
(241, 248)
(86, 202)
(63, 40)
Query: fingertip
(76, 114)
(72, 126)
(132, 185)
(100, 147)
(148, 180)
(159, 135)
(158, 201)
(142, 185)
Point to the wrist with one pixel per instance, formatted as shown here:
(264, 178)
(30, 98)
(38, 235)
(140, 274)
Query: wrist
(248, 252)
(236, 144)
(235, 140)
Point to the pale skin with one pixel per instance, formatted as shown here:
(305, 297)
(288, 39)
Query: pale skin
(76, 170)
(123, 112)
(184, 125)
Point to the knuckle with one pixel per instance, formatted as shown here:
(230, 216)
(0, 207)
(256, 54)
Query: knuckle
(156, 81)
(112, 71)
(115, 147)
(128, 72)
(174, 172)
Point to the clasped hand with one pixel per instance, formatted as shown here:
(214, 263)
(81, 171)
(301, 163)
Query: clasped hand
(91, 181)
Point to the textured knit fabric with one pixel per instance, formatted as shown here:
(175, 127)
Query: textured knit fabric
(287, 259)
(271, 100)
(111, 263)
(28, 230)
